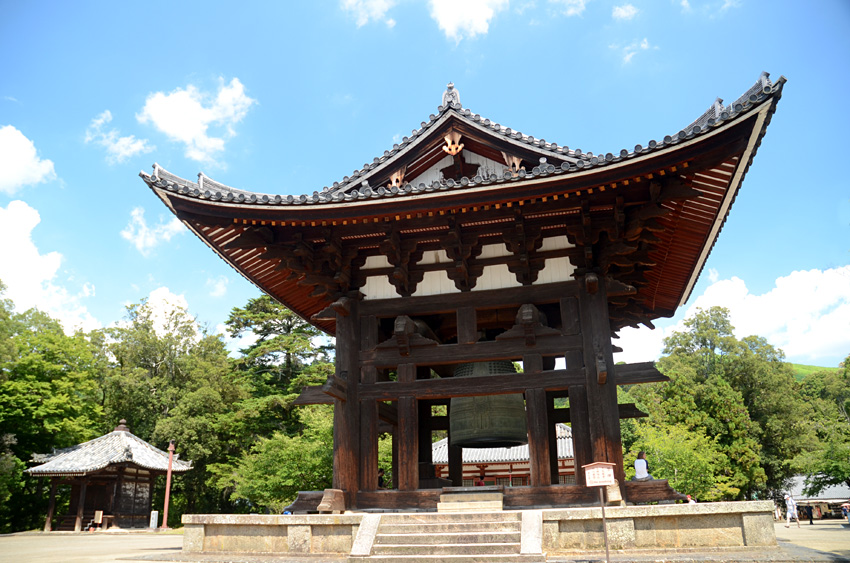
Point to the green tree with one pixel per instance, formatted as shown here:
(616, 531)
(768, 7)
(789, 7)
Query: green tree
(689, 460)
(49, 398)
(269, 476)
(827, 461)
(740, 393)
(281, 359)
(173, 381)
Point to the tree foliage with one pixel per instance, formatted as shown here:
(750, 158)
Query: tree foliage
(730, 424)
(739, 393)
(826, 462)
(688, 459)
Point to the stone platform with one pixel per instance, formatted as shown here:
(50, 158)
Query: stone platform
(508, 536)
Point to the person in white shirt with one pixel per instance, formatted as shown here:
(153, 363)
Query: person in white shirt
(641, 468)
(791, 509)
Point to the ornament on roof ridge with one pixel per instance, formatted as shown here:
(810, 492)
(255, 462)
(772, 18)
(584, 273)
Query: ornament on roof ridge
(451, 95)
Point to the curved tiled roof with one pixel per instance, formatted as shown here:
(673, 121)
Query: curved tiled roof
(116, 447)
(356, 186)
(440, 450)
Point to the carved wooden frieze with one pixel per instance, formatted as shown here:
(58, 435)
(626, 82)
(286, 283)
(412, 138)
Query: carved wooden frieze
(522, 241)
(462, 248)
(402, 254)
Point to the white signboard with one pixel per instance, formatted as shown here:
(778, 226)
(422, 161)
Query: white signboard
(599, 474)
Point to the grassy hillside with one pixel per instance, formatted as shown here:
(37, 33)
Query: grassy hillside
(801, 370)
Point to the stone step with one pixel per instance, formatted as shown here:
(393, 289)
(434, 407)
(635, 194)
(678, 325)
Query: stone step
(492, 558)
(454, 538)
(447, 549)
(485, 506)
(461, 527)
(471, 497)
(437, 518)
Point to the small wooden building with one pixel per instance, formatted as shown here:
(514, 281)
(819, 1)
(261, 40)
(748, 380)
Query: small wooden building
(468, 242)
(111, 480)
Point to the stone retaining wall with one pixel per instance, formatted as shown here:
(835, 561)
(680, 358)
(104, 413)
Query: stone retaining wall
(260, 533)
(658, 527)
(672, 526)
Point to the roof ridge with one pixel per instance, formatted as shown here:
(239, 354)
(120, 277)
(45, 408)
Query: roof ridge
(357, 187)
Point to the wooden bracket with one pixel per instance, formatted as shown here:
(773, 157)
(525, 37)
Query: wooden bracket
(408, 334)
(591, 283)
(337, 387)
(601, 369)
(529, 325)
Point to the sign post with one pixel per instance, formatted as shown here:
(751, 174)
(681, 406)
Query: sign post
(600, 474)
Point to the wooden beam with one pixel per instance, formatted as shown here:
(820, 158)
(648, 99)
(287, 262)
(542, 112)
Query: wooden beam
(511, 350)
(627, 410)
(449, 303)
(472, 386)
(313, 395)
(643, 372)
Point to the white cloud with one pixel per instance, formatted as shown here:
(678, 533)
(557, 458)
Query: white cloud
(570, 7)
(165, 307)
(118, 149)
(218, 286)
(806, 314)
(629, 51)
(31, 277)
(19, 162)
(146, 238)
(713, 275)
(459, 20)
(624, 12)
(365, 11)
(686, 6)
(186, 116)
(234, 345)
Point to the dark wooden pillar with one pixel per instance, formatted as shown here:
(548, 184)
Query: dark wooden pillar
(347, 413)
(600, 382)
(368, 437)
(455, 455)
(408, 432)
(396, 434)
(81, 504)
(426, 458)
(538, 437)
(582, 449)
(51, 505)
(554, 467)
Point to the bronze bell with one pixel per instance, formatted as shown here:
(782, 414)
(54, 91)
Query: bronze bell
(490, 421)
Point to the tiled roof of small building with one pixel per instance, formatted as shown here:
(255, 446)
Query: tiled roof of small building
(119, 446)
(440, 450)
(356, 186)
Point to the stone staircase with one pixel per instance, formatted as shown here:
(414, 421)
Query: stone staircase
(470, 537)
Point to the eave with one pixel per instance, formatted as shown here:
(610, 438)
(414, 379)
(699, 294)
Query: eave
(713, 158)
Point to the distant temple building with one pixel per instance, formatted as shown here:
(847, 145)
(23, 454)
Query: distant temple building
(111, 479)
(508, 467)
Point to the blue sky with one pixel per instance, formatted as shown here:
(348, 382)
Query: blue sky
(288, 97)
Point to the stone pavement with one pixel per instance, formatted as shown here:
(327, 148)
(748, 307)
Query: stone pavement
(825, 541)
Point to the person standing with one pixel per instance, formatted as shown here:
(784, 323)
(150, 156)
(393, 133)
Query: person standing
(810, 514)
(791, 509)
